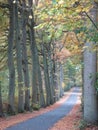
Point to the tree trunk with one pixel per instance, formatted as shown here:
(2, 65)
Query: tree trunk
(90, 99)
(51, 77)
(46, 75)
(42, 99)
(61, 81)
(25, 60)
(35, 93)
(35, 83)
(90, 69)
(55, 77)
(11, 68)
(19, 62)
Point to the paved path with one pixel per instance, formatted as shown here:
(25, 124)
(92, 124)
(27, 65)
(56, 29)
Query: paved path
(47, 120)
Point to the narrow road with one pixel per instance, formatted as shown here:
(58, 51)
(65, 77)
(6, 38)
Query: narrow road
(47, 120)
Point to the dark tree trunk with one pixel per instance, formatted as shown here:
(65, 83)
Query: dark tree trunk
(46, 75)
(42, 99)
(52, 88)
(11, 68)
(19, 62)
(35, 81)
(25, 59)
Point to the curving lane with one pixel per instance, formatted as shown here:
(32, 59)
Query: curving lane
(47, 120)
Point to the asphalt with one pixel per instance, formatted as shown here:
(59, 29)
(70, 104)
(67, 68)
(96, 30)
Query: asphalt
(47, 120)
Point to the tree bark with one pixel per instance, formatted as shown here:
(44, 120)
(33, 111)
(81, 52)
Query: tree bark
(35, 83)
(25, 58)
(52, 88)
(61, 81)
(41, 96)
(55, 77)
(90, 69)
(11, 68)
(19, 62)
(46, 75)
(90, 99)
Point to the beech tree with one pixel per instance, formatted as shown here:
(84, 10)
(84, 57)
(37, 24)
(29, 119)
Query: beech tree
(24, 19)
(90, 69)
(11, 58)
(37, 90)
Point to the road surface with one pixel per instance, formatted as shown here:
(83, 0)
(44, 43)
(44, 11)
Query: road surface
(47, 120)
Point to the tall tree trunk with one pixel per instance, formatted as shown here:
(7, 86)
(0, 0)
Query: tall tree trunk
(46, 75)
(51, 77)
(35, 83)
(90, 99)
(82, 72)
(41, 96)
(19, 62)
(11, 68)
(90, 69)
(25, 59)
(55, 77)
(61, 81)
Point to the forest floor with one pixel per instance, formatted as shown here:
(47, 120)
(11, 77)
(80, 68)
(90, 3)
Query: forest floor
(70, 122)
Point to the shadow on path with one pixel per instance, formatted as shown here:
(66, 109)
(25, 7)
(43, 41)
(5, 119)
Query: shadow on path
(47, 120)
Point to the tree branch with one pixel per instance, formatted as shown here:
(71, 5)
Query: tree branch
(3, 5)
(91, 20)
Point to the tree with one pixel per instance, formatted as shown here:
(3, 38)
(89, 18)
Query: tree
(10, 58)
(61, 80)
(19, 61)
(46, 75)
(35, 63)
(90, 69)
(24, 19)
